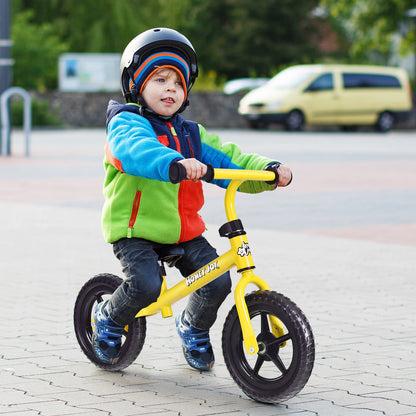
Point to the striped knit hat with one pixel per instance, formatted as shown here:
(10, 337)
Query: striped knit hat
(165, 59)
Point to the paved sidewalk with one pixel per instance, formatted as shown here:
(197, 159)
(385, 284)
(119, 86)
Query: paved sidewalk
(358, 295)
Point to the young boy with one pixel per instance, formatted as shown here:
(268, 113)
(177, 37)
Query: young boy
(143, 210)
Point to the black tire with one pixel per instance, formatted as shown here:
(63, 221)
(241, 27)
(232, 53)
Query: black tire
(93, 292)
(386, 122)
(283, 365)
(294, 120)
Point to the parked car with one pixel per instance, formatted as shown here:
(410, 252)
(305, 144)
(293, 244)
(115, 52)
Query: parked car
(243, 84)
(344, 95)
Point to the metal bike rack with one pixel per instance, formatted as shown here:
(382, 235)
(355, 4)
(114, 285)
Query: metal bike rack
(5, 120)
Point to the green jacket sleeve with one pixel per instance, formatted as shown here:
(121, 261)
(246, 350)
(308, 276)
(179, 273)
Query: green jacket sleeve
(230, 156)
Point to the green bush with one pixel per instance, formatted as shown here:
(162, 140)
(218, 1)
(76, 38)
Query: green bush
(209, 81)
(42, 115)
(36, 50)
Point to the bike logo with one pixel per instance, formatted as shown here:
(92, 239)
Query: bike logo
(244, 250)
(201, 273)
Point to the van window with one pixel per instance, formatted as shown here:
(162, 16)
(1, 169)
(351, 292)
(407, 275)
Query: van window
(290, 78)
(322, 83)
(354, 80)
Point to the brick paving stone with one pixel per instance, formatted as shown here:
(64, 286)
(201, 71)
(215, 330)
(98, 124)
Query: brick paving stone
(326, 408)
(389, 407)
(125, 408)
(402, 396)
(277, 412)
(19, 410)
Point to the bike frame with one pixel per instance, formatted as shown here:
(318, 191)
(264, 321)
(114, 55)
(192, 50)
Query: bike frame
(239, 255)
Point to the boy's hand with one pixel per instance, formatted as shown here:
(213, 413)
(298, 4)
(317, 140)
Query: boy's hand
(285, 175)
(194, 169)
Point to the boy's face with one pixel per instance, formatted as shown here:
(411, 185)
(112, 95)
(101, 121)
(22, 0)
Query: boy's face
(163, 92)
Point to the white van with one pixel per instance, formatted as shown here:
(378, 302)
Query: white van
(344, 95)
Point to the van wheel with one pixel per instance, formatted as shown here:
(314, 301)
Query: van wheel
(385, 122)
(294, 120)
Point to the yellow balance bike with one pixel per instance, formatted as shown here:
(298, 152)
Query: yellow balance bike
(267, 341)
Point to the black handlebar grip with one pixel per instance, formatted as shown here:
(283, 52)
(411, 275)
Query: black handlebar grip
(273, 168)
(209, 176)
(177, 173)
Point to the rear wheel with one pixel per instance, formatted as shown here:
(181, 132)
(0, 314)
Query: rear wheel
(386, 122)
(94, 291)
(284, 363)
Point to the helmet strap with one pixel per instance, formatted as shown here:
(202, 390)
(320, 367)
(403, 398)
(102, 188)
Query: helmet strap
(134, 93)
(183, 106)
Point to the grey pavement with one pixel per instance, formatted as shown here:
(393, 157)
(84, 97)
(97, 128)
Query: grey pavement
(355, 281)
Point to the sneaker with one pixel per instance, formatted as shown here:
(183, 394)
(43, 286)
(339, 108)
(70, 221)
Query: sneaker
(196, 346)
(106, 338)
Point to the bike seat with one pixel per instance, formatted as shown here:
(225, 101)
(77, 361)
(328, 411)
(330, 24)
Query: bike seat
(170, 254)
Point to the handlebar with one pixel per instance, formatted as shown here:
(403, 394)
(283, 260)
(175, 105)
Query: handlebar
(243, 174)
(177, 173)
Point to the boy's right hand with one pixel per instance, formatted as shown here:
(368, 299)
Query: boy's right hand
(194, 169)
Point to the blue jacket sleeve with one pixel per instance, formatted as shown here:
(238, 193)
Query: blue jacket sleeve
(133, 147)
(230, 156)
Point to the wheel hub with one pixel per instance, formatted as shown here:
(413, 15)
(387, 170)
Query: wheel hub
(268, 347)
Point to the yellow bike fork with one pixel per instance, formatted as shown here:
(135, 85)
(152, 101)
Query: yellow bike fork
(245, 266)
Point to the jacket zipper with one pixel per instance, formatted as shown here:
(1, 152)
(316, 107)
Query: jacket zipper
(175, 136)
(190, 146)
(134, 211)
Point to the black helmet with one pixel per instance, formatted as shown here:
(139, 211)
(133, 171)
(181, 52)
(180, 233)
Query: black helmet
(152, 49)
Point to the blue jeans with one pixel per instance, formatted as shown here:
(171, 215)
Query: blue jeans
(143, 281)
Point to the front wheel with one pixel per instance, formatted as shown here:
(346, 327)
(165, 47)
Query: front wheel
(294, 121)
(283, 364)
(96, 290)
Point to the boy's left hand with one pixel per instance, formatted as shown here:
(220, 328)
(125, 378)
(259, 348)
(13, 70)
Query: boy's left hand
(285, 175)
